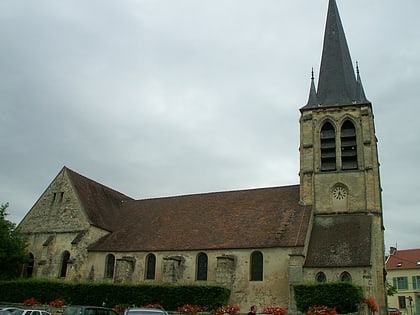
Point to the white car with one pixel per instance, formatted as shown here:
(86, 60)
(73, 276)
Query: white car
(30, 312)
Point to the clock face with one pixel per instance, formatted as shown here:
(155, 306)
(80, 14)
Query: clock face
(339, 192)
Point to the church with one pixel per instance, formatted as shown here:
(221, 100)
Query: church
(257, 242)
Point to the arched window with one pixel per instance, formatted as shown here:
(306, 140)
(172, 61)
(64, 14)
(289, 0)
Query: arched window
(345, 277)
(348, 146)
(202, 266)
(30, 265)
(109, 266)
(328, 153)
(150, 267)
(257, 267)
(320, 277)
(64, 261)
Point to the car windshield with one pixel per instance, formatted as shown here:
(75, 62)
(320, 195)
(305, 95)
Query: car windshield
(17, 312)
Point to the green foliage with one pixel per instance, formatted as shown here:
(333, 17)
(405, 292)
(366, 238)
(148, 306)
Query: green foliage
(12, 247)
(390, 289)
(90, 293)
(343, 295)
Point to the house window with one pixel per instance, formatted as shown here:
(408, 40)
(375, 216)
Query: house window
(109, 266)
(416, 282)
(328, 161)
(202, 265)
(64, 261)
(401, 302)
(401, 283)
(320, 277)
(345, 277)
(257, 267)
(348, 146)
(150, 267)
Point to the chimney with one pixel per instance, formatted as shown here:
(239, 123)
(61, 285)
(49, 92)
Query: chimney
(392, 250)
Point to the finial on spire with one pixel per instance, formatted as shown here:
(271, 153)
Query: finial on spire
(312, 76)
(357, 67)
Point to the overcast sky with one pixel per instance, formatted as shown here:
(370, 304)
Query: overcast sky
(164, 97)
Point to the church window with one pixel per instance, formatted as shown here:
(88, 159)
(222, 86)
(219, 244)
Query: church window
(202, 266)
(345, 277)
(30, 265)
(328, 147)
(320, 277)
(109, 266)
(257, 267)
(150, 267)
(348, 146)
(64, 262)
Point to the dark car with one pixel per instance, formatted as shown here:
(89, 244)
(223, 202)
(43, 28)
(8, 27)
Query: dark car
(88, 310)
(393, 311)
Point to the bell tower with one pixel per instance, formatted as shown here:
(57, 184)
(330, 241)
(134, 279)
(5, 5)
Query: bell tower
(339, 168)
(339, 171)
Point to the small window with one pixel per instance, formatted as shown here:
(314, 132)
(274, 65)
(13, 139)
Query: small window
(328, 147)
(320, 277)
(150, 267)
(64, 261)
(257, 267)
(345, 277)
(348, 146)
(401, 302)
(202, 266)
(109, 266)
(30, 265)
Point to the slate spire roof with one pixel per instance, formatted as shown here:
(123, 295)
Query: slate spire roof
(337, 84)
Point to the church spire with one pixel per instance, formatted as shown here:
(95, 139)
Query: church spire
(337, 84)
(361, 97)
(312, 99)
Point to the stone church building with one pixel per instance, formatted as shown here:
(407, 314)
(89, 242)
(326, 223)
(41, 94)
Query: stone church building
(257, 242)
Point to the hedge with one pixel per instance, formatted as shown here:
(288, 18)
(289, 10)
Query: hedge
(343, 296)
(111, 294)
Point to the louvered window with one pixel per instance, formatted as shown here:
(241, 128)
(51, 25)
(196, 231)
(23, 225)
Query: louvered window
(328, 147)
(348, 146)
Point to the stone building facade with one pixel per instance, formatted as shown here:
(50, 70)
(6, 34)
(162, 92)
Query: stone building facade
(257, 242)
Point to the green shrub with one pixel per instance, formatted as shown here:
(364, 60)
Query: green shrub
(343, 296)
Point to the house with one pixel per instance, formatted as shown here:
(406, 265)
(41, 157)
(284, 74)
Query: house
(257, 242)
(403, 272)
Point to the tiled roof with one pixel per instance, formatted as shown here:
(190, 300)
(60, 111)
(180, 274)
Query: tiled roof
(254, 218)
(404, 259)
(340, 240)
(101, 203)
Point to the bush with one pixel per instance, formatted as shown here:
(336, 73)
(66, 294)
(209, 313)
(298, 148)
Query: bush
(343, 296)
(169, 296)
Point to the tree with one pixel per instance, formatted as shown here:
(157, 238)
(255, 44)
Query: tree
(12, 247)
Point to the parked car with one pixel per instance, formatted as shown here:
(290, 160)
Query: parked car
(5, 312)
(88, 310)
(10, 309)
(30, 312)
(393, 311)
(145, 311)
